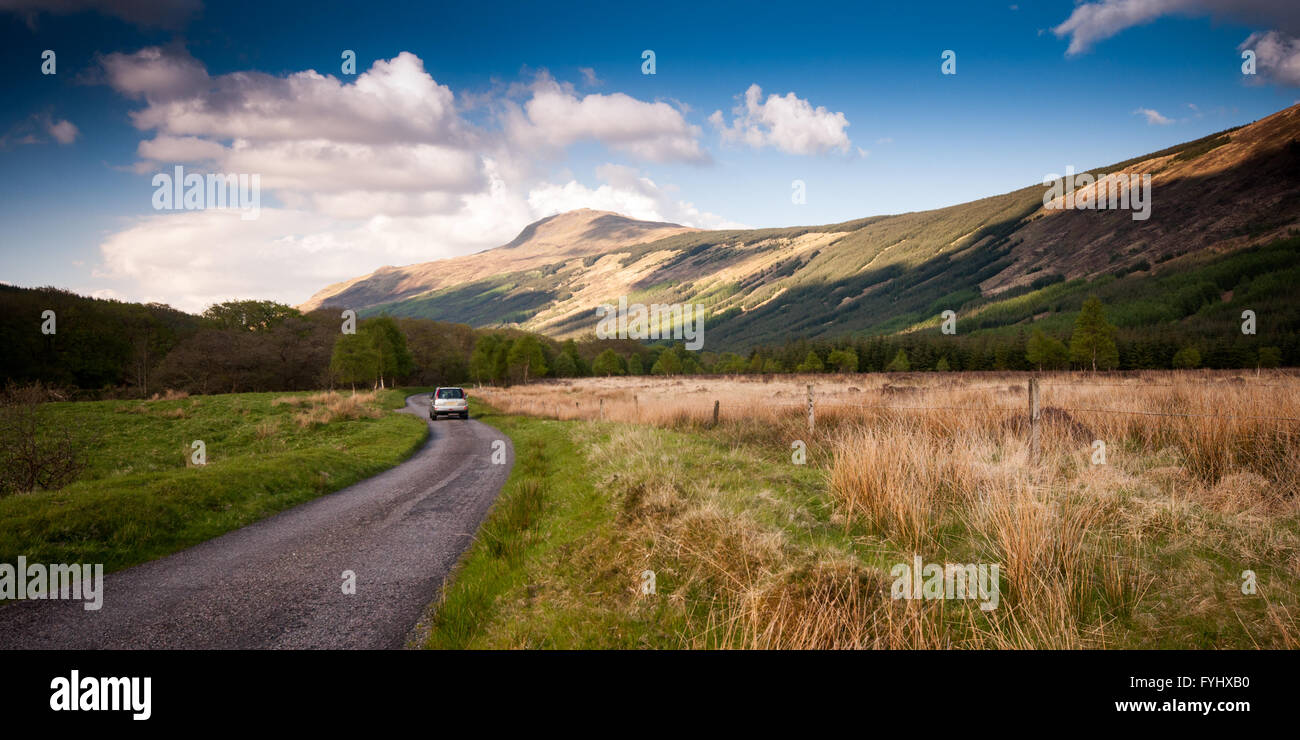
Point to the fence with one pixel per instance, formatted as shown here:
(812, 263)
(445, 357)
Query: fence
(1033, 405)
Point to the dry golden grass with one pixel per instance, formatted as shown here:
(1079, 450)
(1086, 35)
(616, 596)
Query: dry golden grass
(1141, 551)
(329, 406)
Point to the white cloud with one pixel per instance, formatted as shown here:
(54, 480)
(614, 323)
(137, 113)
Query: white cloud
(396, 100)
(1277, 50)
(196, 258)
(381, 170)
(180, 149)
(589, 77)
(155, 73)
(64, 132)
(29, 131)
(788, 123)
(1153, 117)
(1277, 56)
(555, 117)
(1097, 21)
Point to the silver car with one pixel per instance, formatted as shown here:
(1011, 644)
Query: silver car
(449, 402)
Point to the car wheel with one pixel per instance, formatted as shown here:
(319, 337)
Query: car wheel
(465, 415)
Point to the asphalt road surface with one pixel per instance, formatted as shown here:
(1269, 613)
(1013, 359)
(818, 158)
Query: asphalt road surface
(278, 583)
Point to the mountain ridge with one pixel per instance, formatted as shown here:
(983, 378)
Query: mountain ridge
(878, 274)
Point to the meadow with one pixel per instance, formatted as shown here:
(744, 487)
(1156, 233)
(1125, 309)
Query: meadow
(1161, 512)
(141, 495)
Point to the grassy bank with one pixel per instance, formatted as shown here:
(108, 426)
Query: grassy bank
(141, 498)
(748, 549)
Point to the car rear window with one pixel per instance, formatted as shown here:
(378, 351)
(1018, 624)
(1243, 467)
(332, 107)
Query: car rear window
(451, 393)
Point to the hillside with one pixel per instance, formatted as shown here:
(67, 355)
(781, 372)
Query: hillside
(876, 275)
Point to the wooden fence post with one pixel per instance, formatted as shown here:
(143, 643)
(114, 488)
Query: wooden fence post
(1033, 421)
(715, 413)
(602, 409)
(811, 418)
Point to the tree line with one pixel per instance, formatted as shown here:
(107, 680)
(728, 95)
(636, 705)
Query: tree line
(103, 348)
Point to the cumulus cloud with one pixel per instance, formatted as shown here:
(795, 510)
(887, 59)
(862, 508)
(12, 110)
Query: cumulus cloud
(170, 14)
(396, 100)
(1277, 56)
(787, 123)
(1153, 117)
(391, 142)
(380, 170)
(554, 117)
(1277, 50)
(195, 258)
(34, 128)
(64, 132)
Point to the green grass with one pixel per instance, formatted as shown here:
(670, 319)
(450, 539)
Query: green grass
(548, 506)
(139, 500)
(558, 562)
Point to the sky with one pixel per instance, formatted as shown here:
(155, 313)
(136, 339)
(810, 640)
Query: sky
(461, 123)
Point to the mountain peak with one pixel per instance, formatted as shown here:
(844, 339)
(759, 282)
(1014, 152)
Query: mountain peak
(586, 224)
(576, 234)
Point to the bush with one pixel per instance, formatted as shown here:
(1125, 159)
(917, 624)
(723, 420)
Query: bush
(1187, 358)
(32, 455)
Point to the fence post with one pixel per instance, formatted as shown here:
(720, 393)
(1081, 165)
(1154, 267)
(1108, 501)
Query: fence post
(811, 418)
(1033, 421)
(636, 401)
(602, 409)
(715, 413)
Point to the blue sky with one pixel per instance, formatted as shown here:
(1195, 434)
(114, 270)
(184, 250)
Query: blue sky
(485, 117)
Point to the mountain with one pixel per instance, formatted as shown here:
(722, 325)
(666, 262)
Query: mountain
(995, 261)
(574, 235)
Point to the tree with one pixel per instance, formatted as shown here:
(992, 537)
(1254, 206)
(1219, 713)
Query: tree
(395, 359)
(634, 365)
(1187, 358)
(1270, 357)
(942, 365)
(481, 359)
(844, 360)
(249, 315)
(667, 364)
(1046, 352)
(1093, 340)
(811, 364)
(899, 364)
(607, 363)
(564, 366)
(525, 358)
(580, 366)
(355, 359)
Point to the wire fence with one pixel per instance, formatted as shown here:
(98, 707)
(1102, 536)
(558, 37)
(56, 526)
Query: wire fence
(812, 403)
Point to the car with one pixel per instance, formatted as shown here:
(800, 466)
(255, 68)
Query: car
(449, 402)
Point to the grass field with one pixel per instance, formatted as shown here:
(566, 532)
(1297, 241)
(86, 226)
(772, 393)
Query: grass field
(1149, 549)
(141, 498)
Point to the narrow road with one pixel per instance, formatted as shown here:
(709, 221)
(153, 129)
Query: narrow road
(278, 583)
